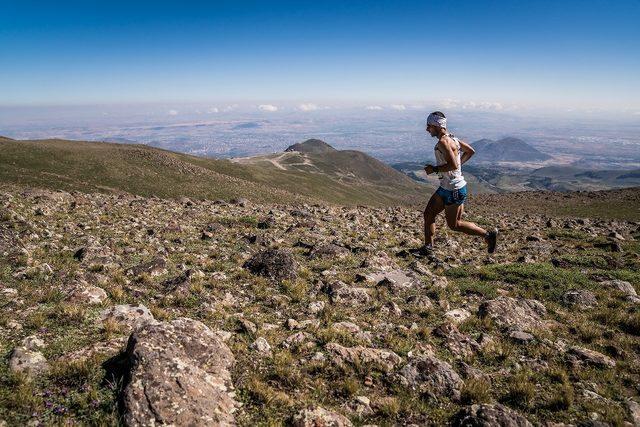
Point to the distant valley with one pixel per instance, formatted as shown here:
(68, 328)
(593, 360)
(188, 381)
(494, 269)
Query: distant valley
(510, 164)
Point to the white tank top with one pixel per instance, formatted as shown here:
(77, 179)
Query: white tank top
(452, 180)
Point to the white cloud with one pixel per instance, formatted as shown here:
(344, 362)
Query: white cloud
(213, 110)
(373, 107)
(267, 107)
(230, 107)
(307, 107)
(398, 107)
(482, 106)
(173, 112)
(471, 105)
(450, 103)
(417, 107)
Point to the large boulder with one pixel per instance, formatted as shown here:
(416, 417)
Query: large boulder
(428, 374)
(179, 375)
(512, 313)
(276, 264)
(489, 415)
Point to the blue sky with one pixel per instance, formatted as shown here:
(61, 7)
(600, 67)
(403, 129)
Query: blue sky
(565, 54)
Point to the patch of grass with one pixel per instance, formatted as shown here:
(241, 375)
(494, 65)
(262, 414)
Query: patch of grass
(262, 393)
(566, 234)
(562, 398)
(475, 390)
(477, 287)
(245, 220)
(520, 390)
(296, 289)
(388, 407)
(631, 323)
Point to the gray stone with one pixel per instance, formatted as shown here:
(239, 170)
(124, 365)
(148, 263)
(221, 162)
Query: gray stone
(634, 411)
(89, 295)
(506, 312)
(340, 292)
(29, 362)
(580, 298)
(319, 417)
(275, 264)
(127, 315)
(489, 415)
(179, 375)
(428, 374)
(457, 315)
(521, 337)
(384, 360)
(261, 346)
(592, 357)
(622, 286)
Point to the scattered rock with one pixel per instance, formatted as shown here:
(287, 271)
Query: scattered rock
(459, 344)
(179, 284)
(319, 417)
(507, 312)
(385, 360)
(431, 375)
(458, 315)
(328, 249)
(298, 339)
(276, 264)
(634, 411)
(316, 307)
(127, 315)
(521, 337)
(261, 346)
(27, 361)
(489, 415)
(580, 298)
(155, 267)
(340, 292)
(622, 286)
(592, 357)
(247, 326)
(89, 295)
(395, 280)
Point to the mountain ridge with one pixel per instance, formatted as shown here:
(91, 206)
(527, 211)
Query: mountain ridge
(147, 171)
(507, 149)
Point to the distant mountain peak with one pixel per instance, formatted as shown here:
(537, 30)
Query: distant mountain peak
(6, 138)
(311, 146)
(507, 149)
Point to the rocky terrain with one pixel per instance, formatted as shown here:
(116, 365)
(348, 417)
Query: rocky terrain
(119, 309)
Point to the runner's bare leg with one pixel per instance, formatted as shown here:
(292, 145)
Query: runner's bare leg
(453, 213)
(434, 207)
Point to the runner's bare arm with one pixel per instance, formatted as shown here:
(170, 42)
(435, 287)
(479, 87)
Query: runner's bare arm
(467, 151)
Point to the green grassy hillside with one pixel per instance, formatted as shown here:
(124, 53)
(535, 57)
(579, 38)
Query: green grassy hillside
(147, 171)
